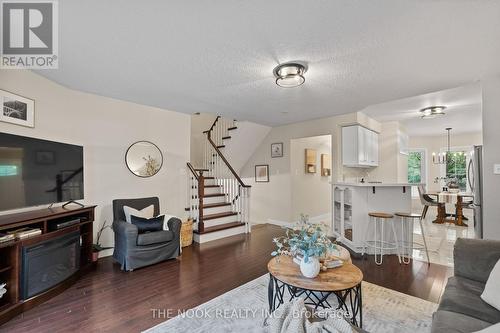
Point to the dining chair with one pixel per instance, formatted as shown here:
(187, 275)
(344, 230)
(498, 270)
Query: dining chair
(426, 200)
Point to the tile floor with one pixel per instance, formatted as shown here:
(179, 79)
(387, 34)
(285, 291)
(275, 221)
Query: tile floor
(440, 237)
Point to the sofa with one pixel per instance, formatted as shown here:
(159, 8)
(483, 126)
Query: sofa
(134, 250)
(461, 309)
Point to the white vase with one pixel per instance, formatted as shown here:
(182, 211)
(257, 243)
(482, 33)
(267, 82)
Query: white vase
(311, 268)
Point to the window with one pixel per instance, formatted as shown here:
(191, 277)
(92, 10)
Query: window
(456, 168)
(416, 169)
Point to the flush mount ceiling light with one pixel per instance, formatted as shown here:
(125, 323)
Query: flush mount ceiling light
(289, 75)
(432, 112)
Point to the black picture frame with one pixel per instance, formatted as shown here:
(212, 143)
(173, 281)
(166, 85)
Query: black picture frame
(265, 178)
(276, 149)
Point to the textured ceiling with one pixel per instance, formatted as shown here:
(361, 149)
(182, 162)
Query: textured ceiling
(463, 111)
(218, 56)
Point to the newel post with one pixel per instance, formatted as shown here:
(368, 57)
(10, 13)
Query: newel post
(201, 193)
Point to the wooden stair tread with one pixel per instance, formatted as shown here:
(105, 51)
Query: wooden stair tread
(212, 186)
(222, 146)
(200, 169)
(226, 137)
(218, 204)
(221, 227)
(232, 128)
(218, 215)
(209, 177)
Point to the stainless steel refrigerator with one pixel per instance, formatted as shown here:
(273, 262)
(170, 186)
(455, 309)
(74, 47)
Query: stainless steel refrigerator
(475, 177)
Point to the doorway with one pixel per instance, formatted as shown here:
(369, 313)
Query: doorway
(311, 172)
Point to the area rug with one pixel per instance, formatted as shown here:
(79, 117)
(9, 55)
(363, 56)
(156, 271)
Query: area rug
(244, 310)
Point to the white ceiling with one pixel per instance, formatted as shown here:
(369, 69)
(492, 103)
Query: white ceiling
(463, 111)
(218, 56)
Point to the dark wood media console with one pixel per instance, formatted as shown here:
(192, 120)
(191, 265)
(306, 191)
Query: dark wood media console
(12, 304)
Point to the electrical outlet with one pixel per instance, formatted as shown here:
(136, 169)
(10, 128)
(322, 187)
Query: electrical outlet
(496, 169)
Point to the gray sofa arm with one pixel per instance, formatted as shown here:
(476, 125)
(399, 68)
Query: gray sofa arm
(475, 258)
(174, 225)
(125, 235)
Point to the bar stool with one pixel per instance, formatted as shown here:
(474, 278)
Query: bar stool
(407, 245)
(378, 220)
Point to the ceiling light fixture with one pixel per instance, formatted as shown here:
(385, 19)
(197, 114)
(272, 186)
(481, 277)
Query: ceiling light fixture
(432, 112)
(289, 75)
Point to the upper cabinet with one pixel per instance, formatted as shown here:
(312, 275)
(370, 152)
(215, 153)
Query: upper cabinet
(359, 147)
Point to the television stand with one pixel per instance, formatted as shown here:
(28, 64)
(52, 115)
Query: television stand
(13, 302)
(72, 202)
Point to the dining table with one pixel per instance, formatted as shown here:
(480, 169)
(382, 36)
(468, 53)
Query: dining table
(444, 197)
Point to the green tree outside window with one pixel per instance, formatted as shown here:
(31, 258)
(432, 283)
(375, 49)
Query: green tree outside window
(456, 167)
(414, 167)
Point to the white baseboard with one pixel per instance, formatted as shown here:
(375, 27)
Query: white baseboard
(326, 218)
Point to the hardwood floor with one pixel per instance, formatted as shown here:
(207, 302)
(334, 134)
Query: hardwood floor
(109, 300)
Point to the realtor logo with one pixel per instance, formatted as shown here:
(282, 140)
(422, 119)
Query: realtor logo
(29, 34)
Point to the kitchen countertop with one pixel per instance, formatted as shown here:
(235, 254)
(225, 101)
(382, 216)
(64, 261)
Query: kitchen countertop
(368, 184)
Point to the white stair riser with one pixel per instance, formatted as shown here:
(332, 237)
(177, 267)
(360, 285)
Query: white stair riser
(212, 190)
(222, 220)
(215, 210)
(211, 200)
(218, 234)
(210, 182)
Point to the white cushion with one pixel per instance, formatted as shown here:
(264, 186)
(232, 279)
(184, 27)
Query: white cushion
(490, 329)
(147, 212)
(491, 292)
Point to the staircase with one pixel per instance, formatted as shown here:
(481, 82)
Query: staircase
(218, 198)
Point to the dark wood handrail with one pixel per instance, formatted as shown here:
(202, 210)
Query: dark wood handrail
(226, 162)
(192, 170)
(213, 125)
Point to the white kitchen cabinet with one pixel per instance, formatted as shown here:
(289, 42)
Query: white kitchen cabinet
(353, 201)
(359, 147)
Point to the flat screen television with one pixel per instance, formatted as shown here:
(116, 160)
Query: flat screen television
(38, 172)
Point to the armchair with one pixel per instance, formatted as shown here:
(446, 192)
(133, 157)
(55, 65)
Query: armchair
(133, 250)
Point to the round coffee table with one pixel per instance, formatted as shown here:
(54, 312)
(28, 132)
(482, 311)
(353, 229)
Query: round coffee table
(344, 282)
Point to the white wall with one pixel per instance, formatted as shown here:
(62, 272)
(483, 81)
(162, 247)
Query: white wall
(392, 165)
(272, 201)
(243, 142)
(199, 123)
(311, 192)
(491, 156)
(106, 127)
(435, 144)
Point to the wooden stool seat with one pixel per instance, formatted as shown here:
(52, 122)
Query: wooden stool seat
(381, 215)
(409, 215)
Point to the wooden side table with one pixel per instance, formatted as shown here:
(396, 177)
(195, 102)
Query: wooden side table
(344, 282)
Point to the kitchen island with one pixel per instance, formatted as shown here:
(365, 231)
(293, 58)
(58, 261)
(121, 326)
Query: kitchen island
(353, 201)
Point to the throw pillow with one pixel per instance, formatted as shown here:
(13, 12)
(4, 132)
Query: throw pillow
(147, 225)
(491, 292)
(147, 212)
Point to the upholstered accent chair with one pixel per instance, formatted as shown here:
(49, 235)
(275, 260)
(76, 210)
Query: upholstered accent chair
(462, 308)
(133, 250)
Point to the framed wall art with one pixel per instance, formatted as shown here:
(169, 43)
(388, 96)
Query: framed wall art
(17, 109)
(277, 149)
(262, 173)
